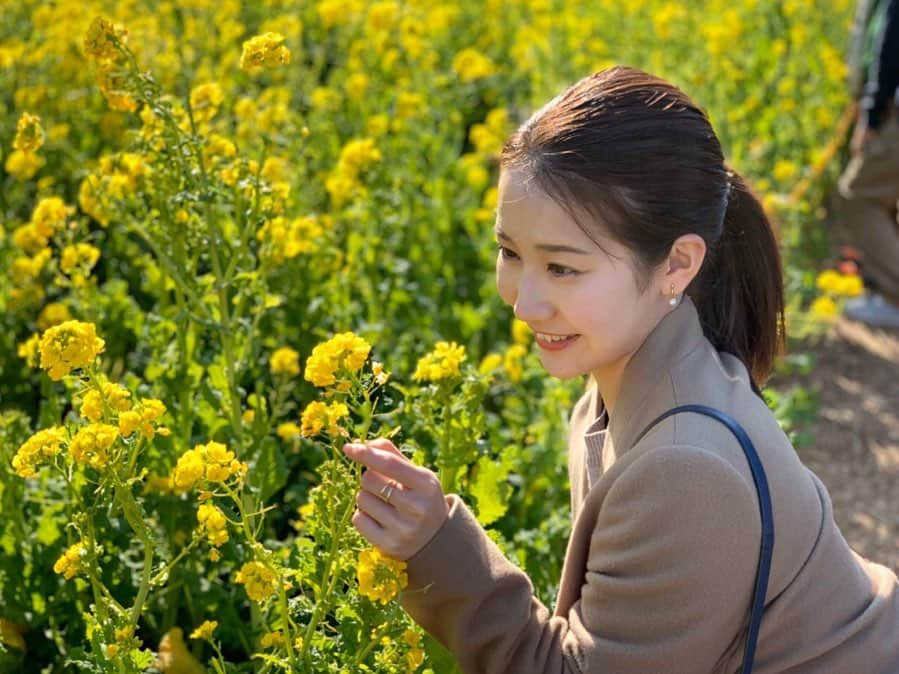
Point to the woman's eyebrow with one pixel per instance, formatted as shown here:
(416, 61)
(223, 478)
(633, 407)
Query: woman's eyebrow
(548, 247)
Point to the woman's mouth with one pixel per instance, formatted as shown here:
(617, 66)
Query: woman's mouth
(554, 342)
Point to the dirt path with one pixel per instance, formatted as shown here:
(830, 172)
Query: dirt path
(856, 450)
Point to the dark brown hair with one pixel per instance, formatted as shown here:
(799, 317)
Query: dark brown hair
(638, 157)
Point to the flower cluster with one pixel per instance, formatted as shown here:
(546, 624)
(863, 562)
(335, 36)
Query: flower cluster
(380, 577)
(92, 443)
(29, 133)
(205, 630)
(343, 351)
(264, 51)
(259, 580)
(834, 286)
(69, 564)
(441, 363)
(319, 416)
(285, 361)
(356, 156)
(212, 462)
(116, 397)
(213, 524)
(470, 65)
(69, 346)
(44, 444)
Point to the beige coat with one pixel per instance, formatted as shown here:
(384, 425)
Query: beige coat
(661, 559)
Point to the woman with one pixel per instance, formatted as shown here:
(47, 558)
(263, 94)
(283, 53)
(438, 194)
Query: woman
(639, 259)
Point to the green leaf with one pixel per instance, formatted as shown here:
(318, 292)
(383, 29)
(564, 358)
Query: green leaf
(270, 472)
(490, 490)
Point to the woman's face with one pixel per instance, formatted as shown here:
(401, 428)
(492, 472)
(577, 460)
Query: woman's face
(562, 284)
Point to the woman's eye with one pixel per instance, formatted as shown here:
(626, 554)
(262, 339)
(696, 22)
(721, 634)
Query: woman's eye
(560, 270)
(507, 253)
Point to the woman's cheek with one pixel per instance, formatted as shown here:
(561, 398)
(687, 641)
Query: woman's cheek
(505, 283)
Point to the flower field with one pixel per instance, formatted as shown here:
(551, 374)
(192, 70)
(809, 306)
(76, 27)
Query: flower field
(237, 235)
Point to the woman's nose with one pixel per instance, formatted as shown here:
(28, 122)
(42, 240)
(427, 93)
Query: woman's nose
(531, 305)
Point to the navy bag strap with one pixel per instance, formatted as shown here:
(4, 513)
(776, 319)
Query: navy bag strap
(761, 486)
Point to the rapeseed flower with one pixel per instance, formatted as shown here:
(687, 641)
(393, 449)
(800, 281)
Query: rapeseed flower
(380, 577)
(69, 564)
(205, 100)
(46, 443)
(521, 332)
(272, 639)
(441, 363)
(285, 361)
(470, 65)
(23, 165)
(512, 361)
(343, 351)
(49, 216)
(213, 462)
(101, 39)
(29, 133)
(117, 398)
(205, 630)
(53, 314)
(69, 346)
(259, 580)
(288, 431)
(319, 416)
(92, 442)
(824, 307)
(29, 350)
(264, 51)
(213, 523)
(79, 257)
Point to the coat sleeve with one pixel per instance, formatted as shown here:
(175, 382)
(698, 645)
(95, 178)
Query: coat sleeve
(667, 587)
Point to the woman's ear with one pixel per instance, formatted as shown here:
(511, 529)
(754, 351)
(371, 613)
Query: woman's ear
(683, 264)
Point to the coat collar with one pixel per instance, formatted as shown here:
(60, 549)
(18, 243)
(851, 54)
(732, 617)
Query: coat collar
(676, 335)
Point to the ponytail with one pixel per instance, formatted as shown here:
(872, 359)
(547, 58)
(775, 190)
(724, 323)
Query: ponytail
(739, 291)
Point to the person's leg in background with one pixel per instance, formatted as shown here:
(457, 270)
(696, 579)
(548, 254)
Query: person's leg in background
(866, 219)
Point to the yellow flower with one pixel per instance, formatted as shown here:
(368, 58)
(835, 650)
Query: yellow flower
(828, 281)
(205, 630)
(82, 256)
(380, 577)
(23, 165)
(285, 361)
(91, 443)
(343, 350)
(213, 523)
(212, 461)
(69, 564)
(381, 376)
(49, 216)
(100, 40)
(53, 314)
(489, 363)
(258, 579)
(470, 64)
(29, 350)
(69, 346)
(29, 133)
(824, 307)
(521, 332)
(264, 51)
(850, 285)
(43, 444)
(512, 361)
(128, 422)
(288, 431)
(785, 170)
(205, 100)
(442, 362)
(272, 639)
(381, 16)
(319, 416)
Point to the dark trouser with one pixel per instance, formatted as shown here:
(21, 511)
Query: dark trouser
(866, 208)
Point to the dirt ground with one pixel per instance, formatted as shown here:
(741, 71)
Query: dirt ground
(856, 447)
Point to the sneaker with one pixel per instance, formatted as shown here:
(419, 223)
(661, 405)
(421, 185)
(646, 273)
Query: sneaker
(872, 309)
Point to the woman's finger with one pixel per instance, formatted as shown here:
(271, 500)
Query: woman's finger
(389, 464)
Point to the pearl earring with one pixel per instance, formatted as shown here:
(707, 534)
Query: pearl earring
(672, 301)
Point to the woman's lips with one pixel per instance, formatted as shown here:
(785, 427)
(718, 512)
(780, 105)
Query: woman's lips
(556, 345)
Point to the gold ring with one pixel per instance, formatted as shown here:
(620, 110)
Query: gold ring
(386, 492)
